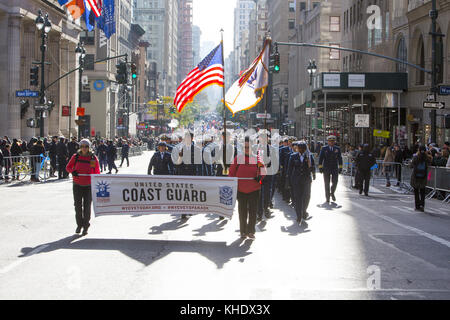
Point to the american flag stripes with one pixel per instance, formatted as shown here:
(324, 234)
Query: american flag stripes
(208, 72)
(96, 7)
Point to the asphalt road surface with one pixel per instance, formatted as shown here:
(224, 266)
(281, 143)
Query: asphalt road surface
(358, 248)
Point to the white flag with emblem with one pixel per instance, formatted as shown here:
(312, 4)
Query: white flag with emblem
(249, 89)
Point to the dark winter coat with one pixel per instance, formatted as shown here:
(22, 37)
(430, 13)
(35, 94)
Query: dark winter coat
(419, 183)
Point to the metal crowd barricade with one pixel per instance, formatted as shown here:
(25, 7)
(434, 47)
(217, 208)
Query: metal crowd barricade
(19, 167)
(132, 152)
(439, 181)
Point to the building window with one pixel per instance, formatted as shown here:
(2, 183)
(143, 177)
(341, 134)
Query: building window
(335, 24)
(302, 5)
(89, 62)
(88, 37)
(291, 24)
(402, 54)
(420, 75)
(291, 6)
(335, 54)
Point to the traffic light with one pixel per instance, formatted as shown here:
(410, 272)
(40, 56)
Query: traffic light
(34, 76)
(122, 73)
(276, 62)
(133, 71)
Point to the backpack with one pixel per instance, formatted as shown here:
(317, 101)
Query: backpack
(421, 170)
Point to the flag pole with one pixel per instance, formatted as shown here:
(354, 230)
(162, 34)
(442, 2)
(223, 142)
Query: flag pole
(225, 168)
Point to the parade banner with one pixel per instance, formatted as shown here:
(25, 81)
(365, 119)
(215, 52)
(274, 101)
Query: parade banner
(139, 194)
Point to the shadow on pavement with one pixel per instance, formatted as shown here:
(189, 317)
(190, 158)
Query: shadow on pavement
(213, 226)
(149, 251)
(168, 226)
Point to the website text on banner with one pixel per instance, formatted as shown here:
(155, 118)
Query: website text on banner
(136, 194)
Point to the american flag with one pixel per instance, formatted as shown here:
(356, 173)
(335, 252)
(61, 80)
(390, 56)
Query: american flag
(208, 72)
(95, 6)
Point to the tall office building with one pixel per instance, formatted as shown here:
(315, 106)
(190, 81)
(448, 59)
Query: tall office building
(185, 40)
(196, 38)
(159, 19)
(242, 14)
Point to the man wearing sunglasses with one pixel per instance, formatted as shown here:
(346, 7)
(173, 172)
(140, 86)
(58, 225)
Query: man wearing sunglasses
(81, 166)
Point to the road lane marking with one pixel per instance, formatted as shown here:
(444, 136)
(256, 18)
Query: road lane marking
(23, 259)
(404, 226)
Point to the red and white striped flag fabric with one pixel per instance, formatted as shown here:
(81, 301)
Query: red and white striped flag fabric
(96, 7)
(208, 72)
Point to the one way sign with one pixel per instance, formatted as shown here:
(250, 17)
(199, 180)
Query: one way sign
(433, 105)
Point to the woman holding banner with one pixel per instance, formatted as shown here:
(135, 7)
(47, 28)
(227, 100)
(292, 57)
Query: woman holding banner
(81, 166)
(248, 169)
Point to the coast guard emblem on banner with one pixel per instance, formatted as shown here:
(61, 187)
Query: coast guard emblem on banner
(226, 195)
(102, 191)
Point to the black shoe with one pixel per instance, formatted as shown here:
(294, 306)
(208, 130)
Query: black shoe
(78, 230)
(422, 209)
(271, 205)
(333, 197)
(117, 170)
(221, 218)
(85, 231)
(360, 191)
(366, 194)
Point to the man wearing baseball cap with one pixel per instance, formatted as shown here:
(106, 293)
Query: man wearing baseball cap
(330, 164)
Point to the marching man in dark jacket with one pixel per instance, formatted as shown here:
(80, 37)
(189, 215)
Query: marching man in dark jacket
(300, 169)
(73, 147)
(364, 162)
(330, 164)
(62, 154)
(161, 162)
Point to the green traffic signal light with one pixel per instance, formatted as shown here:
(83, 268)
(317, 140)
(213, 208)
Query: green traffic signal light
(277, 68)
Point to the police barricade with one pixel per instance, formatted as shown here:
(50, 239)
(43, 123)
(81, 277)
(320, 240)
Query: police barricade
(132, 152)
(17, 168)
(439, 182)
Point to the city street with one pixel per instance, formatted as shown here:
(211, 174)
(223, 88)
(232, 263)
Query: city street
(360, 248)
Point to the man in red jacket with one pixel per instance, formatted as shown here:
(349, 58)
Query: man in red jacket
(81, 166)
(247, 167)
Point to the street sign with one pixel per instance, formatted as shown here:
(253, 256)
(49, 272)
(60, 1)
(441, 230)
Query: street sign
(80, 112)
(381, 133)
(27, 94)
(362, 120)
(65, 111)
(434, 105)
(430, 97)
(263, 116)
(444, 90)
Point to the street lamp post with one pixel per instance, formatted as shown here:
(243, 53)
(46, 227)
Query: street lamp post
(44, 25)
(80, 50)
(312, 69)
